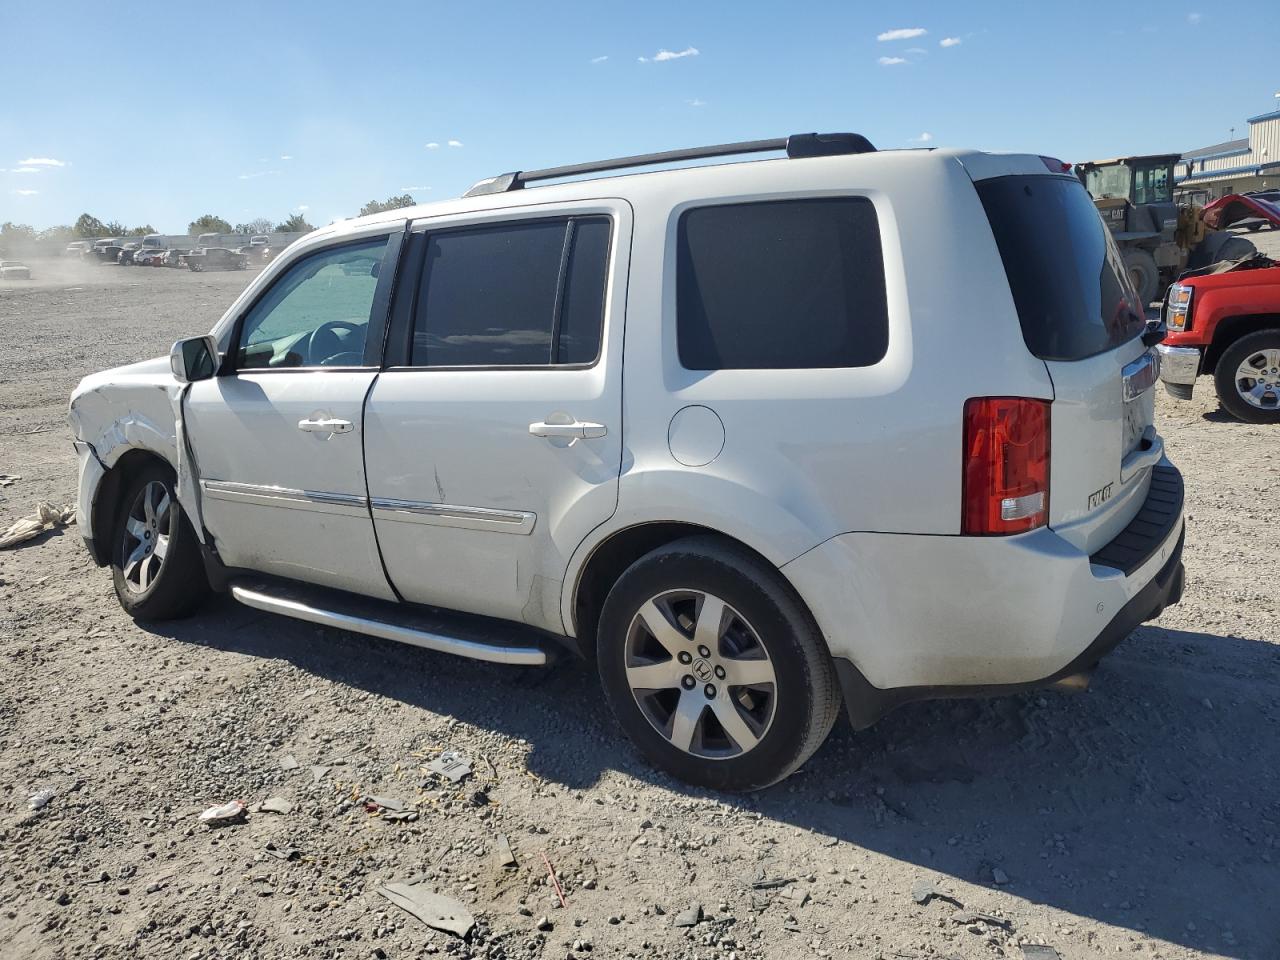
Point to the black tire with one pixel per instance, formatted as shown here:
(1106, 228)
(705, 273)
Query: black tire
(1144, 273)
(1255, 226)
(176, 585)
(1224, 377)
(805, 698)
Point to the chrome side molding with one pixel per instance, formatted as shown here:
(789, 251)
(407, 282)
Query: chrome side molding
(302, 609)
(320, 501)
(453, 515)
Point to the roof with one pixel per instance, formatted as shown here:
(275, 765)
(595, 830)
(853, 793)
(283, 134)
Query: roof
(1227, 146)
(1086, 164)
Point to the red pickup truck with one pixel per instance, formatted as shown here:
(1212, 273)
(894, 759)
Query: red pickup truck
(1226, 321)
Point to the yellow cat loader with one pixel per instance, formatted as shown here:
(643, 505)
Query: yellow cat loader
(1157, 238)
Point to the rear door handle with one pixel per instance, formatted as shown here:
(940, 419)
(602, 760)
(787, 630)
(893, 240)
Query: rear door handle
(571, 431)
(325, 426)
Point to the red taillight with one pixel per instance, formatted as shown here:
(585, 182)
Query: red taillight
(1006, 465)
(1055, 165)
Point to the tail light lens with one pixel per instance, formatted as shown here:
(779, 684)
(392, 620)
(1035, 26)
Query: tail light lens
(1178, 316)
(1006, 465)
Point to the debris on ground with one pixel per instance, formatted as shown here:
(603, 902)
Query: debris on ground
(374, 804)
(972, 916)
(1034, 952)
(503, 855)
(274, 805)
(8, 479)
(922, 891)
(452, 765)
(319, 773)
(436, 911)
(282, 853)
(999, 877)
(761, 881)
(798, 896)
(40, 799)
(224, 814)
(47, 517)
(288, 762)
(555, 882)
(688, 918)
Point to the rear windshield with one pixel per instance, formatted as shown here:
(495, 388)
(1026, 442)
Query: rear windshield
(1068, 281)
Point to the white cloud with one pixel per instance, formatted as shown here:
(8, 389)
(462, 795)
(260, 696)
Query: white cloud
(600, 59)
(950, 42)
(414, 189)
(286, 156)
(26, 193)
(260, 173)
(892, 61)
(923, 138)
(433, 145)
(902, 33)
(663, 55)
(918, 51)
(1192, 18)
(25, 170)
(303, 208)
(455, 143)
(41, 162)
(697, 102)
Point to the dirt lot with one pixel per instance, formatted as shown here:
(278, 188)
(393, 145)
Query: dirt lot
(1137, 819)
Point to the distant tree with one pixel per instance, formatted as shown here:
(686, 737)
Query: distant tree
(391, 203)
(296, 223)
(115, 228)
(90, 226)
(261, 225)
(16, 232)
(208, 224)
(140, 231)
(59, 234)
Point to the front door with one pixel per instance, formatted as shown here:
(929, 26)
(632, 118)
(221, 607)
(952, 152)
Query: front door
(277, 435)
(494, 438)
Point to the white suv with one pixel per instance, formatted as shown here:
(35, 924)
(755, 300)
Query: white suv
(751, 435)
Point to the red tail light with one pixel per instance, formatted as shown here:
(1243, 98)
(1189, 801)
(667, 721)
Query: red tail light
(1006, 465)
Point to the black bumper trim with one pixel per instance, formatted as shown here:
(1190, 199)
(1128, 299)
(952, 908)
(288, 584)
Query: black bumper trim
(866, 704)
(1138, 542)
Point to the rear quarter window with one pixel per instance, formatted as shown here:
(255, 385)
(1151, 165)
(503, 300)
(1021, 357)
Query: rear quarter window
(1068, 280)
(792, 284)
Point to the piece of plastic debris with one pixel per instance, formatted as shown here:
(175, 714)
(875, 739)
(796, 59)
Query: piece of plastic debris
(287, 853)
(798, 896)
(1034, 952)
(555, 882)
(436, 911)
(688, 918)
(451, 765)
(503, 855)
(922, 891)
(275, 805)
(383, 803)
(226, 813)
(47, 517)
(288, 762)
(972, 916)
(318, 774)
(8, 479)
(763, 882)
(40, 799)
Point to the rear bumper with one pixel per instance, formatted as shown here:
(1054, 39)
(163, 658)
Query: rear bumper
(1179, 367)
(916, 617)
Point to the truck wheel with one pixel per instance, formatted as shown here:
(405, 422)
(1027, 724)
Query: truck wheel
(714, 668)
(1248, 377)
(1144, 274)
(156, 564)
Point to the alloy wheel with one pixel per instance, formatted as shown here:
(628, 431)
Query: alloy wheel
(145, 541)
(700, 674)
(1258, 379)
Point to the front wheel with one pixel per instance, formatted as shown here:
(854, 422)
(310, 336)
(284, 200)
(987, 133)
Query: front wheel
(1144, 274)
(156, 564)
(713, 666)
(1248, 377)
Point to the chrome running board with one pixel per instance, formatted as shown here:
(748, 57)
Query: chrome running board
(478, 638)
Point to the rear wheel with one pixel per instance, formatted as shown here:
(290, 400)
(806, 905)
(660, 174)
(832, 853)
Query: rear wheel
(1143, 273)
(714, 668)
(1248, 377)
(156, 563)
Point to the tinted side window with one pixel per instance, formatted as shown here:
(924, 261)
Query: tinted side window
(518, 294)
(316, 313)
(781, 285)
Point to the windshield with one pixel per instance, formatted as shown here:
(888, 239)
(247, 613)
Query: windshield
(1106, 182)
(1153, 184)
(1069, 284)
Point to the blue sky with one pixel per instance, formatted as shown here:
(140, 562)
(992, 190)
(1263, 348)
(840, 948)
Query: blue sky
(146, 112)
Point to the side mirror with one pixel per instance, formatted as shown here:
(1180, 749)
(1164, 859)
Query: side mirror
(195, 358)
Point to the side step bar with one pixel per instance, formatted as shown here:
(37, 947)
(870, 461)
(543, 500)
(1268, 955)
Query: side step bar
(475, 637)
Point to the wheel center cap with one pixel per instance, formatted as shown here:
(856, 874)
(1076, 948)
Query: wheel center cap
(702, 670)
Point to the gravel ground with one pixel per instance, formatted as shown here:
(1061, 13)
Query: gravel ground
(1139, 818)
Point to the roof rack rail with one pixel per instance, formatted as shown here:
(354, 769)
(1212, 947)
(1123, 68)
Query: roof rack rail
(797, 145)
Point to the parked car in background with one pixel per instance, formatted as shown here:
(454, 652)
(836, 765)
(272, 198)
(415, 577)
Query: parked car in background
(106, 250)
(14, 270)
(175, 257)
(127, 253)
(1226, 323)
(77, 248)
(148, 258)
(215, 258)
(886, 432)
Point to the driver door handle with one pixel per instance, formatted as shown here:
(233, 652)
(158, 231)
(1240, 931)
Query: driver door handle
(573, 431)
(325, 426)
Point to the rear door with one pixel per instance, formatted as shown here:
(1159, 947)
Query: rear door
(493, 437)
(1081, 315)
